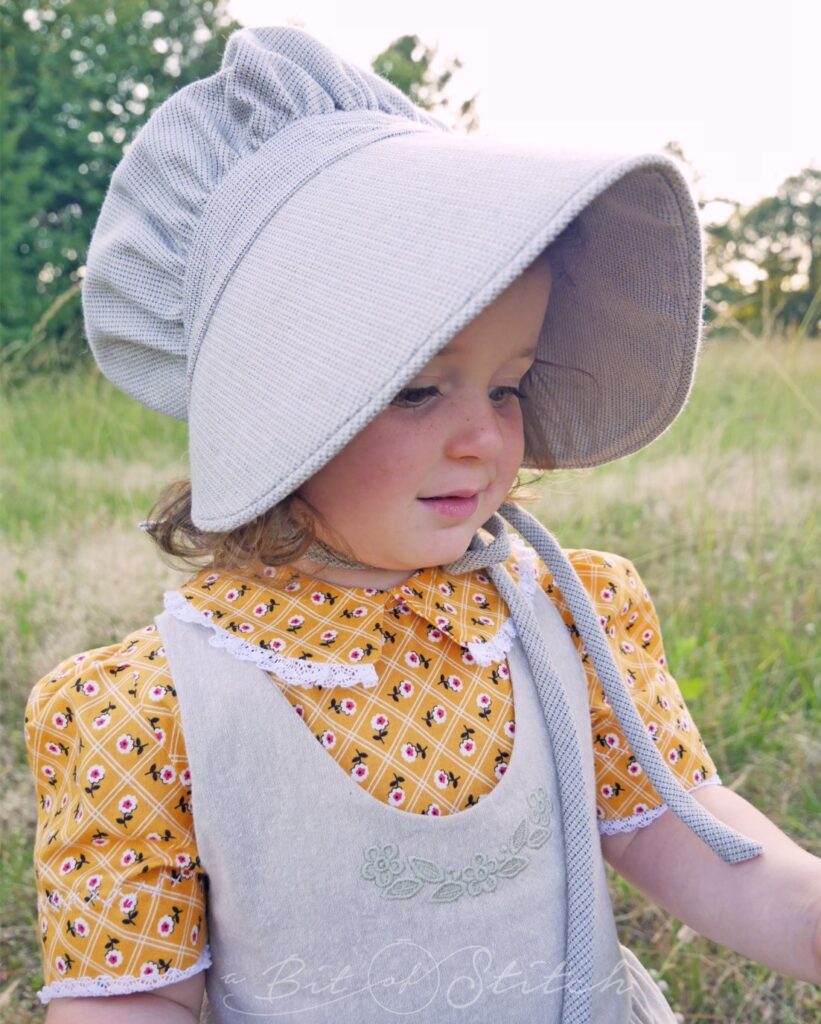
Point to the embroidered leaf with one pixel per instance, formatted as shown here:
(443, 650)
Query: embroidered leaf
(448, 892)
(402, 889)
(519, 836)
(426, 870)
(512, 866)
(538, 837)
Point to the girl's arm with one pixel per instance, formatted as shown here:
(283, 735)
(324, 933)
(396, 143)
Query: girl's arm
(767, 909)
(177, 1003)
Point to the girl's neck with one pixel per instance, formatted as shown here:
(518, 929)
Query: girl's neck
(379, 579)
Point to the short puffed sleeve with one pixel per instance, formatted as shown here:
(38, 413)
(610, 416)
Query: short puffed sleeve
(625, 798)
(120, 887)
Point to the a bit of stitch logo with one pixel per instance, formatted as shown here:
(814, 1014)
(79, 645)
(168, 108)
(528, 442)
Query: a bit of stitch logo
(403, 878)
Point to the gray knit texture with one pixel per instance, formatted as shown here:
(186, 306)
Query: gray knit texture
(287, 242)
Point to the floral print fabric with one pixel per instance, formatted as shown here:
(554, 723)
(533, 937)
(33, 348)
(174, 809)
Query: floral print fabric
(416, 705)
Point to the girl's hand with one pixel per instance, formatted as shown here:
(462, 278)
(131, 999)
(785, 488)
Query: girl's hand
(767, 909)
(177, 1003)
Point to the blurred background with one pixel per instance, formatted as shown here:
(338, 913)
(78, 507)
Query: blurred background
(720, 514)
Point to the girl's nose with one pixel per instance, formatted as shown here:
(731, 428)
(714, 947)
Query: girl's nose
(477, 431)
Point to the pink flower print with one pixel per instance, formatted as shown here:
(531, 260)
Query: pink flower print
(128, 858)
(632, 618)
(606, 594)
(210, 580)
(128, 903)
(697, 776)
(347, 706)
(442, 622)
(295, 622)
(101, 721)
(113, 958)
(46, 803)
(78, 814)
(300, 710)
(409, 752)
(396, 796)
(468, 658)
(317, 597)
(626, 647)
(662, 660)
(645, 595)
(603, 620)
(640, 809)
(328, 739)
(276, 646)
(49, 772)
(100, 841)
(611, 630)
(510, 729)
(43, 925)
(370, 591)
(156, 692)
(55, 900)
(52, 748)
(329, 636)
(81, 927)
(412, 659)
(78, 658)
(159, 735)
(59, 720)
(90, 688)
(634, 768)
(232, 594)
(467, 748)
(481, 578)
(60, 964)
(443, 588)
(245, 627)
(94, 882)
(63, 800)
(357, 654)
(484, 620)
(403, 608)
(503, 671)
(149, 969)
(439, 714)
(653, 729)
(182, 860)
(165, 925)
(379, 721)
(359, 772)
(128, 803)
(673, 757)
(95, 773)
(441, 778)
(406, 590)
(167, 774)
(612, 740)
(292, 587)
(153, 837)
(455, 684)
(606, 791)
(447, 607)
(125, 743)
(483, 701)
(68, 866)
(625, 607)
(195, 935)
(599, 812)
(435, 635)
(359, 612)
(406, 688)
(185, 777)
(500, 770)
(434, 810)
(207, 614)
(260, 609)
(664, 703)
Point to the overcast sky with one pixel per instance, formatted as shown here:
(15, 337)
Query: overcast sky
(734, 81)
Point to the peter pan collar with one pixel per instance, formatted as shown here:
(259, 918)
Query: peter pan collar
(270, 617)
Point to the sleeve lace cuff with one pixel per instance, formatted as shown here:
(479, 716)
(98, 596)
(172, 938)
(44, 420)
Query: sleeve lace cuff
(613, 826)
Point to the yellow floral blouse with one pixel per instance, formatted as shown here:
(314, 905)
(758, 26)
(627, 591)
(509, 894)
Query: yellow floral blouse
(407, 689)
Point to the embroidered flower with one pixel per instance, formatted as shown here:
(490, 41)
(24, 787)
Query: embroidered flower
(382, 864)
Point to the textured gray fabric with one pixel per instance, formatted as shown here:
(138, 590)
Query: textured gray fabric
(288, 241)
(284, 835)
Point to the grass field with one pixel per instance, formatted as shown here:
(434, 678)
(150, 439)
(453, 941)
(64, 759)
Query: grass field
(720, 516)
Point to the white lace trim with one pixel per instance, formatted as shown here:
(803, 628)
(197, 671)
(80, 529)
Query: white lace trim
(294, 671)
(491, 652)
(110, 985)
(611, 828)
(527, 561)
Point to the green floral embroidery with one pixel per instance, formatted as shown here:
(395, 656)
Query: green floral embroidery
(383, 864)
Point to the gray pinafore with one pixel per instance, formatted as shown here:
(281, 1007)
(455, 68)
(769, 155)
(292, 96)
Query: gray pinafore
(325, 904)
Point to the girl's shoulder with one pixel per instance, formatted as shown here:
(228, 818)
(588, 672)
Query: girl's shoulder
(96, 687)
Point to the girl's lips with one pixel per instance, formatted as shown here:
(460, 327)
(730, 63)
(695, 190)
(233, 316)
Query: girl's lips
(452, 506)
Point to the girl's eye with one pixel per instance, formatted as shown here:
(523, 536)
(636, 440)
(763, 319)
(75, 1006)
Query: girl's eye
(501, 393)
(414, 396)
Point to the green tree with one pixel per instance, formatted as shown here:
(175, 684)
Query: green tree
(78, 80)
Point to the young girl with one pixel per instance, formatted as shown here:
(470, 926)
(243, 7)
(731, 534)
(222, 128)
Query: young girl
(370, 324)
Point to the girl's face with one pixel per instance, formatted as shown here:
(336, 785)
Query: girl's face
(411, 489)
